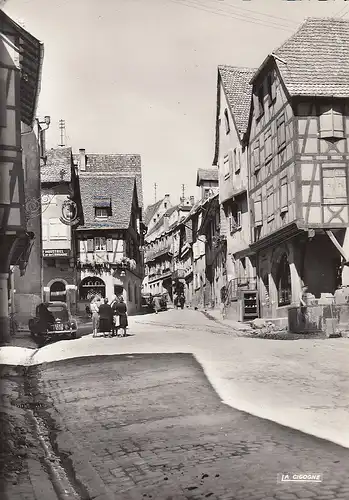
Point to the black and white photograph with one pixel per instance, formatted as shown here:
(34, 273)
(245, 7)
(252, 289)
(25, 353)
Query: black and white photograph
(174, 250)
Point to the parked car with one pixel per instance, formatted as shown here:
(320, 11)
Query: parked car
(64, 324)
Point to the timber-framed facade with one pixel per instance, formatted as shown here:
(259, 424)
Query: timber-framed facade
(298, 171)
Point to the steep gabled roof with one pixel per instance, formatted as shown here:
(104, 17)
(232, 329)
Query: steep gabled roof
(121, 191)
(237, 88)
(238, 91)
(206, 174)
(314, 61)
(151, 211)
(58, 167)
(122, 164)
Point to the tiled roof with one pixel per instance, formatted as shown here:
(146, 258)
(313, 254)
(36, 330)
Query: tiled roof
(316, 58)
(151, 211)
(236, 84)
(58, 165)
(123, 164)
(160, 222)
(207, 174)
(120, 189)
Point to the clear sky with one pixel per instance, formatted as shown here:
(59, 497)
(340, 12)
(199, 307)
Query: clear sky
(139, 76)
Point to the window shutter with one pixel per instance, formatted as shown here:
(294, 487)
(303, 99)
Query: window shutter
(58, 230)
(256, 156)
(238, 161)
(258, 221)
(281, 131)
(109, 244)
(284, 195)
(3, 96)
(267, 145)
(230, 163)
(238, 218)
(270, 202)
(334, 186)
(90, 245)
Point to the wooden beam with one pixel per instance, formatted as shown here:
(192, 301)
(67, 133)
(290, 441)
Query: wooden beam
(337, 245)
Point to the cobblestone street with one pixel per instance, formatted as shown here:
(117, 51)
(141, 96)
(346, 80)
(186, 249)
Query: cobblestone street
(152, 427)
(155, 415)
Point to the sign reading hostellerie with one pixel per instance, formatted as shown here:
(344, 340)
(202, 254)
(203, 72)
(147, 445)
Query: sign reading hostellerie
(54, 252)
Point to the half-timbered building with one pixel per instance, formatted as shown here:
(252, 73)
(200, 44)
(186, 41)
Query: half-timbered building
(20, 67)
(109, 260)
(233, 106)
(298, 165)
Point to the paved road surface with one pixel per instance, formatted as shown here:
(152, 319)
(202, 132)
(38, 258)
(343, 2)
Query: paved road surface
(152, 427)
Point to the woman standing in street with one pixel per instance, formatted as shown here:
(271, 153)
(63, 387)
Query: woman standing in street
(94, 307)
(121, 310)
(113, 305)
(105, 318)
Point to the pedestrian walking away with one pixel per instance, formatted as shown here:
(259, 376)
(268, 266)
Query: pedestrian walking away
(121, 310)
(182, 301)
(105, 318)
(94, 307)
(157, 304)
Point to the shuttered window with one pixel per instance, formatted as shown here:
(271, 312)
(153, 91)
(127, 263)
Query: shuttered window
(283, 195)
(109, 244)
(237, 160)
(331, 122)
(226, 164)
(90, 245)
(334, 182)
(255, 157)
(270, 203)
(100, 244)
(58, 230)
(281, 131)
(267, 145)
(258, 219)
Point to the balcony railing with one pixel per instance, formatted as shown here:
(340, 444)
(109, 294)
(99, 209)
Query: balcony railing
(161, 274)
(154, 254)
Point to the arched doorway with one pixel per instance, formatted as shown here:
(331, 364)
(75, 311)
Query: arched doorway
(283, 282)
(58, 292)
(91, 286)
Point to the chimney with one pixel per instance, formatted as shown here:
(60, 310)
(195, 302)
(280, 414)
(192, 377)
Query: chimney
(82, 160)
(192, 200)
(182, 200)
(166, 222)
(167, 196)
